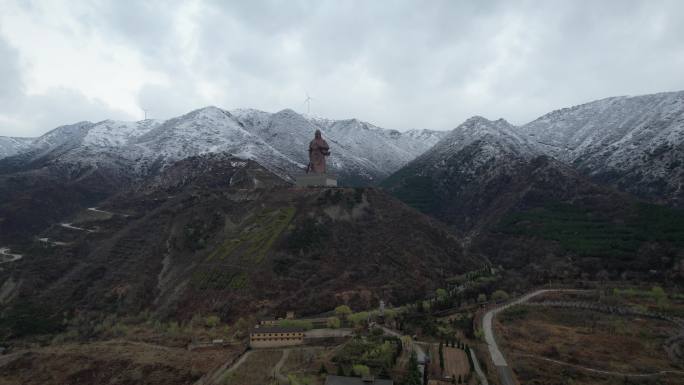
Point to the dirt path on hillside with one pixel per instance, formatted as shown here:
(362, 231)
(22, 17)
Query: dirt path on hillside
(96, 210)
(215, 376)
(279, 365)
(72, 227)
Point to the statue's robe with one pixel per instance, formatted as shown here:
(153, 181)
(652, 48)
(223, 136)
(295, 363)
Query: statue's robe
(318, 150)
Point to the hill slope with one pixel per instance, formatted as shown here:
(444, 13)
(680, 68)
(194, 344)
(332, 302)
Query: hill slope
(534, 213)
(223, 235)
(463, 173)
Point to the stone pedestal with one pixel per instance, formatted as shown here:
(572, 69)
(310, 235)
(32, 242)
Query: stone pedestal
(316, 180)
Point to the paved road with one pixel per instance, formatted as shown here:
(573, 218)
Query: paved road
(502, 368)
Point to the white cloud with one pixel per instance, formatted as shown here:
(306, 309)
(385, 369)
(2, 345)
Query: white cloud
(399, 64)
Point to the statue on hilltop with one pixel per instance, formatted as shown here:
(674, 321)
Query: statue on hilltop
(318, 150)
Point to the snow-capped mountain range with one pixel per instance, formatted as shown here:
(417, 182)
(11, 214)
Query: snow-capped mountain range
(361, 152)
(633, 143)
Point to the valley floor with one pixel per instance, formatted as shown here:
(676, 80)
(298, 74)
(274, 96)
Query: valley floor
(562, 343)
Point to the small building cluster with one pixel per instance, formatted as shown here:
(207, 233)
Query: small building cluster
(275, 336)
(268, 334)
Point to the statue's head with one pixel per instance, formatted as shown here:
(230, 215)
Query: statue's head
(317, 135)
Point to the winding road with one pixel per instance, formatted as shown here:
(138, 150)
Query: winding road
(502, 368)
(5, 251)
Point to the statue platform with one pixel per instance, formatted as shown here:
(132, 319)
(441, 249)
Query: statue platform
(316, 180)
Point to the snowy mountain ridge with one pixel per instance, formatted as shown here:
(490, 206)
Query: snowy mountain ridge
(633, 142)
(493, 138)
(361, 152)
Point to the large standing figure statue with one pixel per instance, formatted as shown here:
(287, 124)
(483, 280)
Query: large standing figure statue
(318, 150)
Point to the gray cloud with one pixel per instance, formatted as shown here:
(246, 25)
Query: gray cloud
(10, 75)
(23, 114)
(399, 64)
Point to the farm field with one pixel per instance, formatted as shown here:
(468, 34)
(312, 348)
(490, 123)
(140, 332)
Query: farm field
(455, 363)
(256, 370)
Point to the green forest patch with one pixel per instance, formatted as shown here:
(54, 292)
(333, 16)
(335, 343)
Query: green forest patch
(416, 191)
(591, 232)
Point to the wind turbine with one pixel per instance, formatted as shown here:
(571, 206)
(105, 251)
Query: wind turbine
(308, 103)
(145, 110)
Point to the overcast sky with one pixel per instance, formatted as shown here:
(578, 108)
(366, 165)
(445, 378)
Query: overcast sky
(396, 64)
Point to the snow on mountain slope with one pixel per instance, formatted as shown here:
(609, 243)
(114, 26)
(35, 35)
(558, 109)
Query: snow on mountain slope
(208, 130)
(636, 143)
(112, 133)
(11, 146)
(464, 174)
(493, 137)
(361, 153)
(290, 133)
(67, 135)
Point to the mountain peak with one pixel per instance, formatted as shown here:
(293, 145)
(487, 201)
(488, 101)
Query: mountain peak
(477, 119)
(289, 112)
(207, 112)
(498, 133)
